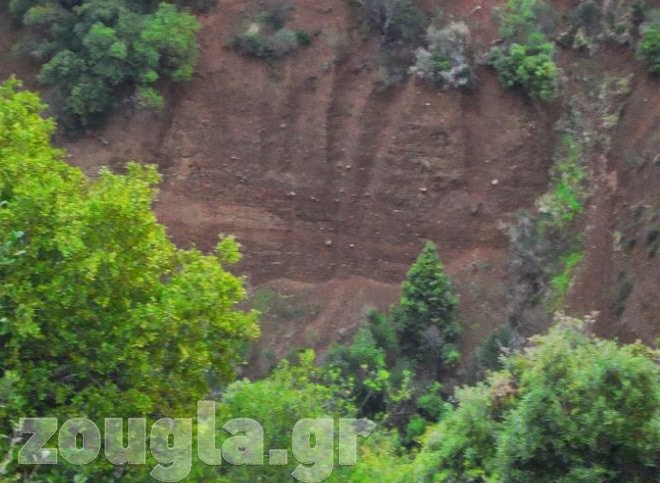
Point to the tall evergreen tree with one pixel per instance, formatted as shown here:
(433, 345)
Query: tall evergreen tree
(425, 318)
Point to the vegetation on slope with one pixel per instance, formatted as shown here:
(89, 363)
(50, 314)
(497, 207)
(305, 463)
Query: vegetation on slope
(526, 58)
(93, 52)
(100, 314)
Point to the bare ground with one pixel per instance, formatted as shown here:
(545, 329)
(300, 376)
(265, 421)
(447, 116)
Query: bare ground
(332, 184)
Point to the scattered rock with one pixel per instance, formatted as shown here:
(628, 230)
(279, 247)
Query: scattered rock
(423, 190)
(291, 194)
(495, 182)
(328, 243)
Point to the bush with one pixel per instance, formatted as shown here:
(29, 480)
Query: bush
(649, 48)
(529, 66)
(445, 61)
(95, 50)
(267, 35)
(395, 20)
(526, 59)
(283, 42)
(569, 408)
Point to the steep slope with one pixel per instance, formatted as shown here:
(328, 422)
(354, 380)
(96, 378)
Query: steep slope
(330, 181)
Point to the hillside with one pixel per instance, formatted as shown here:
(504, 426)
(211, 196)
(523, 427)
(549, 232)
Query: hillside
(332, 182)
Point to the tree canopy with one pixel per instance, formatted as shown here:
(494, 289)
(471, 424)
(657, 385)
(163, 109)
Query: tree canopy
(571, 407)
(95, 50)
(100, 314)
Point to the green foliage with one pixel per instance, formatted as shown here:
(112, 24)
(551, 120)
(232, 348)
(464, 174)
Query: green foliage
(425, 318)
(384, 334)
(488, 356)
(362, 367)
(569, 408)
(521, 18)
(278, 402)
(649, 48)
(561, 282)
(100, 314)
(526, 58)
(267, 36)
(380, 458)
(594, 22)
(94, 50)
(529, 66)
(566, 198)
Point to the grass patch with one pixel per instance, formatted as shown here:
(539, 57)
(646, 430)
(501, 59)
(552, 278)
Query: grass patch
(562, 281)
(567, 195)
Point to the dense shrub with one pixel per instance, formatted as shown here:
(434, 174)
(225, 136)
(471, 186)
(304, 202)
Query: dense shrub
(267, 36)
(529, 66)
(593, 22)
(445, 60)
(520, 18)
(526, 58)
(649, 48)
(569, 408)
(92, 51)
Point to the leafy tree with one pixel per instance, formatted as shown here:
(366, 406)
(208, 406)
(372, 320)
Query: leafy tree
(362, 367)
(530, 66)
(526, 59)
(100, 314)
(278, 402)
(570, 408)
(425, 318)
(92, 50)
(380, 458)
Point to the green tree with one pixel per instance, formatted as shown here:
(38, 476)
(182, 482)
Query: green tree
(100, 314)
(649, 48)
(362, 367)
(526, 59)
(278, 402)
(92, 50)
(529, 65)
(425, 318)
(571, 407)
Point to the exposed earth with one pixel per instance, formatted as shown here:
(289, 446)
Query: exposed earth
(332, 183)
